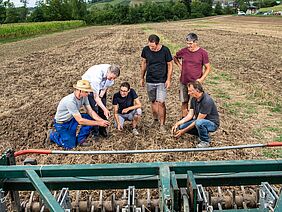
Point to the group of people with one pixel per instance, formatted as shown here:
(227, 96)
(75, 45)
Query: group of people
(198, 118)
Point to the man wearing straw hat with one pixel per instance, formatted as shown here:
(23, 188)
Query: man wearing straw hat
(68, 118)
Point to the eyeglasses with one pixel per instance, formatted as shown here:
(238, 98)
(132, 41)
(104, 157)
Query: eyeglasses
(124, 91)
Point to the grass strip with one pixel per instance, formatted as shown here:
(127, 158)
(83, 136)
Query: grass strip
(14, 32)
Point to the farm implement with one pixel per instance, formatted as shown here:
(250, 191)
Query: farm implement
(218, 186)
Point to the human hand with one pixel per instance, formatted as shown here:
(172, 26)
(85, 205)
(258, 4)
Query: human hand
(125, 110)
(103, 123)
(200, 80)
(167, 84)
(119, 127)
(107, 113)
(178, 133)
(174, 129)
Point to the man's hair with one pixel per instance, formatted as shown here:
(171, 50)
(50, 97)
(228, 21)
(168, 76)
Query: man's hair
(115, 69)
(197, 86)
(154, 39)
(125, 84)
(192, 37)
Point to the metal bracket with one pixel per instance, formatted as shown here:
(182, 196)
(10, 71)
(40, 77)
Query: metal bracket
(131, 197)
(267, 196)
(2, 201)
(64, 199)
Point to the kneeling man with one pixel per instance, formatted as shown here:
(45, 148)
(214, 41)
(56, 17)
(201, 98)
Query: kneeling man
(127, 107)
(68, 117)
(202, 117)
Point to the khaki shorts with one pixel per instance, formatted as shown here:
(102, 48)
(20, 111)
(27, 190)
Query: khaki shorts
(156, 92)
(183, 93)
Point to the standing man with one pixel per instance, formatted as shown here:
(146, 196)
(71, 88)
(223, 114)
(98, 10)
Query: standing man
(202, 117)
(101, 77)
(156, 63)
(191, 61)
(127, 107)
(68, 117)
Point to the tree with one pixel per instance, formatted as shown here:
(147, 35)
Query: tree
(23, 11)
(2, 12)
(11, 13)
(218, 9)
(188, 6)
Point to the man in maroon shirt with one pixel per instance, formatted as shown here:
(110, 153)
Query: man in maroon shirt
(191, 61)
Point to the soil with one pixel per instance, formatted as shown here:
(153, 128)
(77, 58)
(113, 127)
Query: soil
(37, 73)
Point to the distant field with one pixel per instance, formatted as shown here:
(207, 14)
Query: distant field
(23, 30)
(123, 2)
(275, 8)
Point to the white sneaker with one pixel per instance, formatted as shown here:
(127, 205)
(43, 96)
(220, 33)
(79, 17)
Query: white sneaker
(203, 144)
(135, 132)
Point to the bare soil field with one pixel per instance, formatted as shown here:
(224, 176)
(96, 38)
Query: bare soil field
(246, 83)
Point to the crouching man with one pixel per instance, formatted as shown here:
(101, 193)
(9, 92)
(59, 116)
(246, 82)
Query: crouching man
(127, 107)
(202, 117)
(68, 117)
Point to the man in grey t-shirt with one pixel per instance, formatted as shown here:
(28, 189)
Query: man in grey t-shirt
(68, 117)
(202, 117)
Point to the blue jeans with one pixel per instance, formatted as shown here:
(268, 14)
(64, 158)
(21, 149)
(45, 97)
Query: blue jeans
(201, 129)
(65, 134)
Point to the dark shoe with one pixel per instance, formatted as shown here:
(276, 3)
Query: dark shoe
(85, 144)
(95, 138)
(103, 132)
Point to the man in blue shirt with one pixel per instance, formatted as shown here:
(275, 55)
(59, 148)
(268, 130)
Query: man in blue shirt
(127, 107)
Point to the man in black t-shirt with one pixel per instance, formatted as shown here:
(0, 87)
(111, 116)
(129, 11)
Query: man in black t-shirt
(127, 107)
(202, 117)
(156, 63)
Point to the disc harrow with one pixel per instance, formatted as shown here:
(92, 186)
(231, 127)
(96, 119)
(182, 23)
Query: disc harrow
(211, 186)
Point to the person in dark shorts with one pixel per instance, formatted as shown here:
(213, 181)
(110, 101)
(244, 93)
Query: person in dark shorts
(127, 107)
(156, 64)
(202, 118)
(191, 61)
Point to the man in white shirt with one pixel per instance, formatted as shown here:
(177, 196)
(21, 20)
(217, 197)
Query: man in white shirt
(101, 77)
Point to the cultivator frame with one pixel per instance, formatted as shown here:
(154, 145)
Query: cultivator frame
(178, 182)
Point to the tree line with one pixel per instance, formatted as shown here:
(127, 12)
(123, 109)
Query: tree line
(61, 10)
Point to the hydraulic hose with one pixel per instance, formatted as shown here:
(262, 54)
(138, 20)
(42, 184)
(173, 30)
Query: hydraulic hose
(42, 151)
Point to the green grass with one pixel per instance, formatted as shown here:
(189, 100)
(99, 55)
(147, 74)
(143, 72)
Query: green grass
(275, 8)
(276, 153)
(13, 32)
(278, 138)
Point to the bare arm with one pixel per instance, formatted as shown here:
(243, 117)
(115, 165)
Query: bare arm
(116, 117)
(88, 122)
(182, 121)
(206, 72)
(137, 104)
(177, 62)
(143, 70)
(99, 102)
(169, 74)
(92, 113)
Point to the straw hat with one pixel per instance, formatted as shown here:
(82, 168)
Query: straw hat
(83, 85)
